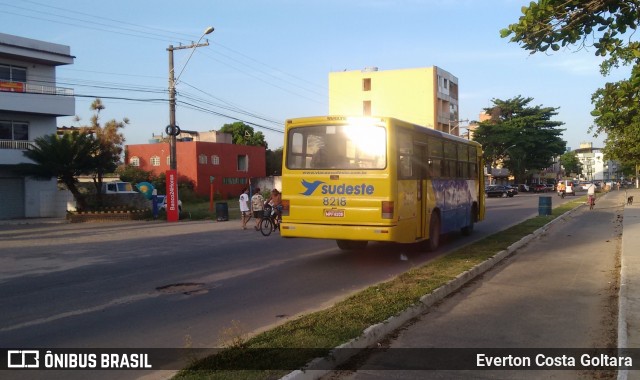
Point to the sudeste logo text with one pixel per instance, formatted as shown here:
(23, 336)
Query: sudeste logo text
(342, 189)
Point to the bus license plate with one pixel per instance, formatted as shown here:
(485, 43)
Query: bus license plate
(333, 213)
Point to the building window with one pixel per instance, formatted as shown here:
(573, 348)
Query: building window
(366, 84)
(202, 159)
(243, 163)
(366, 108)
(215, 160)
(13, 73)
(155, 161)
(14, 130)
(168, 160)
(234, 181)
(134, 161)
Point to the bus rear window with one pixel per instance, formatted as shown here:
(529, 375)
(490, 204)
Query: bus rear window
(337, 147)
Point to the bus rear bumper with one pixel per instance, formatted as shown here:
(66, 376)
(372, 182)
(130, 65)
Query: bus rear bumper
(344, 232)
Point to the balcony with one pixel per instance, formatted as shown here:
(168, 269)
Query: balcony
(12, 152)
(14, 144)
(36, 99)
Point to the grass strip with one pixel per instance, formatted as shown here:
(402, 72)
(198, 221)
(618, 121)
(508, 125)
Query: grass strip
(293, 344)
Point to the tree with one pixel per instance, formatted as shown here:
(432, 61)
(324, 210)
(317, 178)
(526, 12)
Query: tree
(618, 115)
(243, 134)
(110, 141)
(64, 157)
(134, 174)
(523, 137)
(274, 161)
(571, 163)
(609, 27)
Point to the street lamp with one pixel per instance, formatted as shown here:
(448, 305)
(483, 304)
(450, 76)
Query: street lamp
(173, 130)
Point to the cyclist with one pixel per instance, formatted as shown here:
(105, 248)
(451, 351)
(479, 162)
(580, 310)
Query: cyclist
(591, 195)
(562, 188)
(275, 201)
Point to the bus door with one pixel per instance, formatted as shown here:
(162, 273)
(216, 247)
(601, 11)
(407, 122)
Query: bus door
(422, 169)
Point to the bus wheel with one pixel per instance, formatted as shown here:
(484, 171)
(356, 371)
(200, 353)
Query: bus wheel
(434, 233)
(352, 245)
(467, 230)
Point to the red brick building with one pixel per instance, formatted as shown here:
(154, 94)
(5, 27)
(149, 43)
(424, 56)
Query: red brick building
(231, 165)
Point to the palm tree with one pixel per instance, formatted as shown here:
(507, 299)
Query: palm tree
(64, 157)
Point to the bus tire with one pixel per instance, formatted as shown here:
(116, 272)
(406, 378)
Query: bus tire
(434, 232)
(468, 229)
(352, 245)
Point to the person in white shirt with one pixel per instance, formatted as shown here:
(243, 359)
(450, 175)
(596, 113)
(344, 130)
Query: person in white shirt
(257, 205)
(591, 195)
(244, 208)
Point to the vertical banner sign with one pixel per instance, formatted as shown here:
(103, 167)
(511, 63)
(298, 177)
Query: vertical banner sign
(173, 213)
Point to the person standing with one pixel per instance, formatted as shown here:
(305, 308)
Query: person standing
(591, 195)
(244, 207)
(257, 206)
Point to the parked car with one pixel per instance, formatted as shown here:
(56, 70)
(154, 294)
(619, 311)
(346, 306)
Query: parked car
(162, 203)
(514, 188)
(500, 191)
(550, 187)
(118, 188)
(539, 188)
(522, 187)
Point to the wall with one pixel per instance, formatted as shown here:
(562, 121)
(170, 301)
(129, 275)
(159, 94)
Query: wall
(188, 166)
(407, 94)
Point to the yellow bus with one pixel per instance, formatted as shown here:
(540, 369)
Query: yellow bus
(361, 179)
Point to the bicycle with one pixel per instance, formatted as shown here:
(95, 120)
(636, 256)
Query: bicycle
(270, 221)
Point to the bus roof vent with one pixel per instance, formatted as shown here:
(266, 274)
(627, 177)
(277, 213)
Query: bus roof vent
(369, 69)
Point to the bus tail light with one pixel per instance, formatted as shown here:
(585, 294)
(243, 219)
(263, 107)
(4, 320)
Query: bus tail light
(387, 209)
(285, 207)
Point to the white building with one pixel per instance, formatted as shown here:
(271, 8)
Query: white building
(594, 165)
(30, 102)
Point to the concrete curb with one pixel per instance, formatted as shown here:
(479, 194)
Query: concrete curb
(377, 332)
(627, 294)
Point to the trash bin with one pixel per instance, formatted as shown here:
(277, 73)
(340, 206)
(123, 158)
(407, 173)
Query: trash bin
(544, 206)
(222, 212)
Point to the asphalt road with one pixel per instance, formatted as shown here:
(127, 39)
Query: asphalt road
(153, 284)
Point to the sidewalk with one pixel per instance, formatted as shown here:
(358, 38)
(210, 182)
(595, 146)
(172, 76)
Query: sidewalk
(558, 291)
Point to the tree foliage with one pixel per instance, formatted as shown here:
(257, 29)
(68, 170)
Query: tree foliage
(608, 26)
(571, 163)
(243, 134)
(274, 161)
(110, 140)
(523, 137)
(65, 157)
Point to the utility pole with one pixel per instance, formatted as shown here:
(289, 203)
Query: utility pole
(172, 129)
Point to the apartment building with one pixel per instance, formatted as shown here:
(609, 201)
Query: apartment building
(594, 166)
(30, 102)
(426, 96)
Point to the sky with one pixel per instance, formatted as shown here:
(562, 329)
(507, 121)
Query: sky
(268, 61)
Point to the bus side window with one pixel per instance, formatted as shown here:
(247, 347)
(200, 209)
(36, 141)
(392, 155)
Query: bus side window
(405, 153)
(450, 156)
(473, 162)
(435, 158)
(463, 162)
